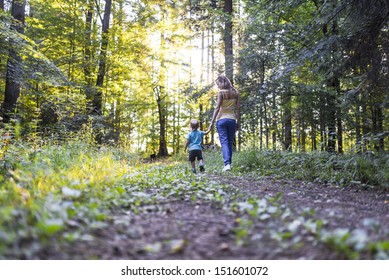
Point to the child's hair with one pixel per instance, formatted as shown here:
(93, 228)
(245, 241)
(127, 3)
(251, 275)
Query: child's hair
(194, 124)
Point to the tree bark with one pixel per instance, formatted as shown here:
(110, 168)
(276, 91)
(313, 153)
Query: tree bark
(14, 71)
(160, 93)
(228, 48)
(274, 122)
(322, 122)
(162, 152)
(287, 121)
(98, 98)
(331, 116)
(339, 130)
(88, 56)
(365, 122)
(358, 137)
(313, 133)
(332, 104)
(303, 135)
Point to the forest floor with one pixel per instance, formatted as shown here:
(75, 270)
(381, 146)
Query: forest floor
(258, 218)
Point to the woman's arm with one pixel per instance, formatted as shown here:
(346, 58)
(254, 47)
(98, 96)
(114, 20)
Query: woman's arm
(217, 108)
(237, 111)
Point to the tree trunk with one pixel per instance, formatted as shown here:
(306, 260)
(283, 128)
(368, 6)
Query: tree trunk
(202, 58)
(274, 122)
(303, 134)
(287, 121)
(331, 117)
(98, 98)
(228, 49)
(161, 102)
(265, 121)
(322, 122)
(14, 71)
(313, 133)
(213, 69)
(332, 103)
(201, 116)
(97, 104)
(162, 152)
(208, 56)
(88, 56)
(365, 122)
(261, 129)
(340, 131)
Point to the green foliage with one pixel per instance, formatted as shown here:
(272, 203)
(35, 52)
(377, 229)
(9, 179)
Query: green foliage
(372, 169)
(324, 167)
(297, 62)
(316, 54)
(53, 195)
(44, 190)
(59, 193)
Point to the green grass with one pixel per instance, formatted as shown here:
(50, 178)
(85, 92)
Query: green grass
(54, 194)
(372, 170)
(58, 193)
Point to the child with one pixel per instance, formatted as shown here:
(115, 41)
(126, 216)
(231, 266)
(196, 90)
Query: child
(193, 141)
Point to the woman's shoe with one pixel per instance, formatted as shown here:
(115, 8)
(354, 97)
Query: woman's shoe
(226, 167)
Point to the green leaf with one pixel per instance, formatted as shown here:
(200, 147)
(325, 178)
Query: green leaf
(51, 226)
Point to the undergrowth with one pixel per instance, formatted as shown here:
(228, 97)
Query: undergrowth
(57, 194)
(321, 167)
(52, 194)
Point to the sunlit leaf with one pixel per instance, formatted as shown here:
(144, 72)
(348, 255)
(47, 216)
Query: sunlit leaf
(51, 226)
(68, 192)
(177, 245)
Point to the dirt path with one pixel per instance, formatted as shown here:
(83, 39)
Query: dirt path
(183, 229)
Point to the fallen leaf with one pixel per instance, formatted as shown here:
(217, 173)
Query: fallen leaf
(177, 245)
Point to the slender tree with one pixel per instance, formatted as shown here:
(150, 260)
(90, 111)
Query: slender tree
(88, 53)
(14, 67)
(287, 120)
(98, 98)
(228, 40)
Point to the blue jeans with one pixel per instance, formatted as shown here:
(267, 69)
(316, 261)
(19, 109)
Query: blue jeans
(226, 129)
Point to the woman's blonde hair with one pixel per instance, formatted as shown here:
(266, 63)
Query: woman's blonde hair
(224, 81)
(226, 84)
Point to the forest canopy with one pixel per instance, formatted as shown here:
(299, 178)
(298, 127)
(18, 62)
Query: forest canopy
(313, 75)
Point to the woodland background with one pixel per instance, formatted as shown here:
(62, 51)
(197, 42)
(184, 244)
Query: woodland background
(91, 88)
(313, 75)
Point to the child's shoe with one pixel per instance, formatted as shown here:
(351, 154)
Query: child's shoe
(194, 170)
(202, 169)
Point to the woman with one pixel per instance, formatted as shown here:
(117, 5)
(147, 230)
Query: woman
(227, 117)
